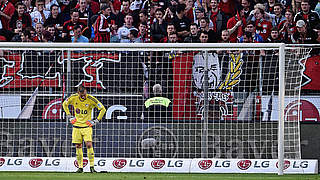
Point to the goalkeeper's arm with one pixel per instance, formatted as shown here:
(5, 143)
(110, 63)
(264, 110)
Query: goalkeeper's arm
(102, 110)
(65, 106)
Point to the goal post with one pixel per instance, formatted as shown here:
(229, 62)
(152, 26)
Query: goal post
(227, 104)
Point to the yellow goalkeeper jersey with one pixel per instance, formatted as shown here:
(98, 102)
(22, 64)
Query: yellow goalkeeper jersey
(83, 108)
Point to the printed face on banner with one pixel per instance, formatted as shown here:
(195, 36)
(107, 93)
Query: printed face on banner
(198, 70)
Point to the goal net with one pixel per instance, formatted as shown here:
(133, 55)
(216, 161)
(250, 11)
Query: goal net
(221, 100)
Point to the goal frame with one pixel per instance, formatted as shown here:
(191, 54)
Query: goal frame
(182, 47)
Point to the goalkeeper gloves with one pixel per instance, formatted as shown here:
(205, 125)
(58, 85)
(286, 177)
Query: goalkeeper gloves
(71, 119)
(91, 123)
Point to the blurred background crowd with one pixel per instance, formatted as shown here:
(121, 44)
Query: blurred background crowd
(165, 21)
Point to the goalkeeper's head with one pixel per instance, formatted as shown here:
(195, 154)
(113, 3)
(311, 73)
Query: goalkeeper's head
(82, 91)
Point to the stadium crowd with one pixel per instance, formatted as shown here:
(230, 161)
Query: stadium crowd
(165, 21)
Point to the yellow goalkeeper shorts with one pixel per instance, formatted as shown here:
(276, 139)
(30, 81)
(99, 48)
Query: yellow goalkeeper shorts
(81, 134)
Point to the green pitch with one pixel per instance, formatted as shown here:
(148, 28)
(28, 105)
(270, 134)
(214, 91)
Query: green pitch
(147, 176)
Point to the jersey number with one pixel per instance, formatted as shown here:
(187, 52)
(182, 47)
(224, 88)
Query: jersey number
(79, 111)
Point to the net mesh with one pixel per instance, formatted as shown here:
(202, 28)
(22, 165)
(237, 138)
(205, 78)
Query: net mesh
(240, 90)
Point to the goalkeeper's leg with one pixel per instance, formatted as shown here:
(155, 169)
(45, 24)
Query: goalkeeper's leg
(90, 153)
(79, 154)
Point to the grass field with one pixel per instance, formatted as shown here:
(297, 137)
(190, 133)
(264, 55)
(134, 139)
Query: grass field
(147, 176)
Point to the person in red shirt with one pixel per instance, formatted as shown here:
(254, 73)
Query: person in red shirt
(67, 32)
(39, 30)
(287, 27)
(116, 6)
(189, 9)
(228, 7)
(20, 20)
(6, 11)
(263, 27)
(235, 26)
(103, 25)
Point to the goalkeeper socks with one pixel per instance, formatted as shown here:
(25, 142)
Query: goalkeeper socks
(79, 154)
(90, 153)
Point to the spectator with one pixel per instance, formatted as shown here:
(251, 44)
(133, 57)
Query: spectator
(54, 33)
(173, 37)
(218, 18)
(114, 38)
(143, 17)
(49, 3)
(133, 36)
(143, 34)
(287, 28)
(67, 32)
(274, 36)
(181, 22)
(123, 31)
(200, 14)
(263, 27)
(235, 24)
(6, 11)
(170, 29)
(39, 14)
(32, 32)
(277, 17)
(108, 3)
(116, 7)
(20, 20)
(194, 35)
(26, 36)
(247, 37)
(55, 18)
(85, 13)
(225, 37)
(247, 7)
(309, 16)
(189, 9)
(124, 12)
(204, 26)
(250, 27)
(28, 4)
(39, 30)
(158, 28)
(91, 5)
(104, 25)
(228, 7)
(304, 35)
(78, 37)
(46, 36)
(204, 37)
(169, 14)
(269, 6)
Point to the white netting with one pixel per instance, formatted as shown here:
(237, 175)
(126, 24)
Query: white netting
(241, 92)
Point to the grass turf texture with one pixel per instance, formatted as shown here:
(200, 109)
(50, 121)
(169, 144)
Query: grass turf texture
(147, 176)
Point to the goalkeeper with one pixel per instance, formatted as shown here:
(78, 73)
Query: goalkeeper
(83, 104)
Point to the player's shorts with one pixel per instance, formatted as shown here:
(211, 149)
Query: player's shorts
(81, 134)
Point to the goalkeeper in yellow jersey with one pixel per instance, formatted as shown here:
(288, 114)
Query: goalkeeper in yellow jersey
(83, 104)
